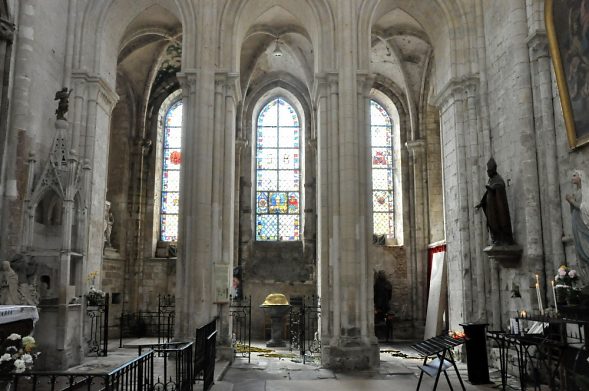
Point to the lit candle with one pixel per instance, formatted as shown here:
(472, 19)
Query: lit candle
(540, 306)
(554, 294)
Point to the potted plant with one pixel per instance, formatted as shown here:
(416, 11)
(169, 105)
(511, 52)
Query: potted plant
(17, 355)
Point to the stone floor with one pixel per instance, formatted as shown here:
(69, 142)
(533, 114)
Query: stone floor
(281, 370)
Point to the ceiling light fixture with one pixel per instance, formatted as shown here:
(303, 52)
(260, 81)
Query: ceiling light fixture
(277, 51)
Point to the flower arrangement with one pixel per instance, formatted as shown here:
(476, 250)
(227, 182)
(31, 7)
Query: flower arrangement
(91, 277)
(566, 276)
(17, 354)
(456, 334)
(95, 296)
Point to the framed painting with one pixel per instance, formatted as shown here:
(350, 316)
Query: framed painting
(567, 28)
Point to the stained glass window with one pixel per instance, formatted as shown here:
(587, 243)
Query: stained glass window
(383, 199)
(172, 159)
(278, 173)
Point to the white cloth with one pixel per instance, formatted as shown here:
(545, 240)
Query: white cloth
(13, 313)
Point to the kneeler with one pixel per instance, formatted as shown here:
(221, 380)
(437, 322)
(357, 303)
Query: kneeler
(439, 351)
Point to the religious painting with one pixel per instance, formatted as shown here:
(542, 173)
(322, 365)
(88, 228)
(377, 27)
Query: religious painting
(567, 27)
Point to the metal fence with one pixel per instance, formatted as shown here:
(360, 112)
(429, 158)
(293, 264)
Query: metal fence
(240, 312)
(204, 356)
(156, 323)
(304, 326)
(178, 370)
(136, 375)
(97, 313)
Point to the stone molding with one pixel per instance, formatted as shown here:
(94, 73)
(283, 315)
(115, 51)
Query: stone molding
(416, 147)
(456, 88)
(99, 89)
(6, 30)
(538, 45)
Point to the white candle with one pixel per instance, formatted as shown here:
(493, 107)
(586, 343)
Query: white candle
(554, 294)
(539, 296)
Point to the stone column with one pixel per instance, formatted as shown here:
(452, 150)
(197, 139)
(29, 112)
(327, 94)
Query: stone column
(20, 135)
(342, 147)
(524, 124)
(224, 202)
(98, 99)
(419, 230)
(547, 156)
(453, 116)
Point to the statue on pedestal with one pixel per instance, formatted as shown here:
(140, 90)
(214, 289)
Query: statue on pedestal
(18, 285)
(494, 204)
(579, 203)
(108, 223)
(63, 105)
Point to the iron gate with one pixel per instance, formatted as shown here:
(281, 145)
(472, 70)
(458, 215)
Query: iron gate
(97, 312)
(304, 326)
(166, 309)
(240, 312)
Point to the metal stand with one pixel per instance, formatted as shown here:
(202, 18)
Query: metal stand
(439, 349)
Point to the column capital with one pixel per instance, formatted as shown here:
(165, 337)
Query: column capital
(416, 147)
(456, 89)
(365, 81)
(187, 80)
(231, 83)
(538, 45)
(98, 89)
(323, 82)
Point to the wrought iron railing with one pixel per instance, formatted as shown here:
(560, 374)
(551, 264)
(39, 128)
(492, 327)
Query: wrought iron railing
(304, 326)
(240, 312)
(97, 312)
(159, 323)
(136, 375)
(178, 370)
(204, 356)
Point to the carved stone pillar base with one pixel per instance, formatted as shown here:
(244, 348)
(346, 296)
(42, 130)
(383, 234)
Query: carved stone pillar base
(505, 255)
(350, 354)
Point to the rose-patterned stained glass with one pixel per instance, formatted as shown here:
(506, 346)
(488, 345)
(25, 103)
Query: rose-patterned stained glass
(278, 165)
(171, 162)
(262, 202)
(382, 170)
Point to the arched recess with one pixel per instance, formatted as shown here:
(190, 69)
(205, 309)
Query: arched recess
(149, 56)
(443, 21)
(286, 267)
(104, 26)
(315, 18)
(402, 55)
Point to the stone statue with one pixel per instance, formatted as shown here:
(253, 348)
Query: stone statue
(579, 202)
(9, 292)
(18, 281)
(63, 104)
(494, 204)
(108, 222)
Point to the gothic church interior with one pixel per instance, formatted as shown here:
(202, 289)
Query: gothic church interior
(216, 150)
